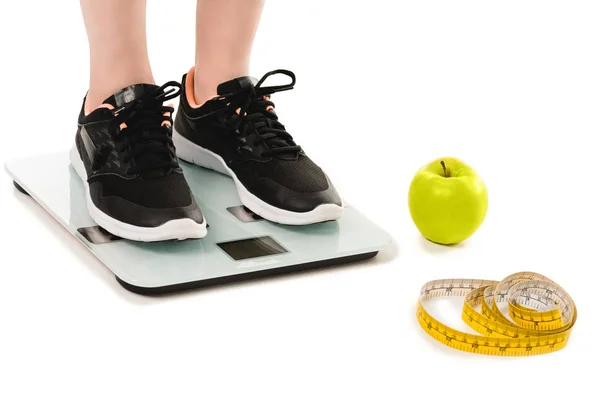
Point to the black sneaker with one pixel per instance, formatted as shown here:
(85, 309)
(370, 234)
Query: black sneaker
(124, 154)
(237, 133)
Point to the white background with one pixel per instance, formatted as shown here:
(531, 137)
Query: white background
(511, 87)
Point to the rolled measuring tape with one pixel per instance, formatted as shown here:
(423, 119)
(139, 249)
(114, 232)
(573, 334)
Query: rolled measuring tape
(543, 315)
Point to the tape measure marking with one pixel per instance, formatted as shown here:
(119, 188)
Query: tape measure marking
(543, 315)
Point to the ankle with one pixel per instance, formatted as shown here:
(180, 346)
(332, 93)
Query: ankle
(93, 100)
(102, 88)
(204, 93)
(207, 80)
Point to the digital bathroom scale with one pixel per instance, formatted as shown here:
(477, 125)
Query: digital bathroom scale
(239, 244)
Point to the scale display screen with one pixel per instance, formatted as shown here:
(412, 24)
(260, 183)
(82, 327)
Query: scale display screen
(252, 247)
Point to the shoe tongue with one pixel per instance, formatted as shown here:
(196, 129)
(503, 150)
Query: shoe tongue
(131, 93)
(245, 83)
(236, 85)
(127, 95)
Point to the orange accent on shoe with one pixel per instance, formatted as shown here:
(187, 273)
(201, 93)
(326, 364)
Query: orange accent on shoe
(103, 105)
(168, 115)
(189, 89)
(267, 98)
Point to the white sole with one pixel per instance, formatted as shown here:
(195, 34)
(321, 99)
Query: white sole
(192, 153)
(178, 229)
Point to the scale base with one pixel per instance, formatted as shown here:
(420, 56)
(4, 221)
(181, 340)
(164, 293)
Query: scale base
(265, 273)
(19, 188)
(239, 245)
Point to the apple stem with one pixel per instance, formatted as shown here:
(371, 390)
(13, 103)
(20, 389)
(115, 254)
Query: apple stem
(444, 166)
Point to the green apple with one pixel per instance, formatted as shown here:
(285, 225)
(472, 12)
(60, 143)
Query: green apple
(448, 201)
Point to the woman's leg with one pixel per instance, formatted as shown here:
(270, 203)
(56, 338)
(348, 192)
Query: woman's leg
(225, 31)
(116, 32)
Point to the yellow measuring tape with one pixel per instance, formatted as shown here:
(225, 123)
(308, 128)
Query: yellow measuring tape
(543, 315)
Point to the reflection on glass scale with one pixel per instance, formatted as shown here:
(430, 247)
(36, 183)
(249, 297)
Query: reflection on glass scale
(239, 244)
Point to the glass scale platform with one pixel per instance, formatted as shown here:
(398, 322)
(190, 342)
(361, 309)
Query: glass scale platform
(239, 244)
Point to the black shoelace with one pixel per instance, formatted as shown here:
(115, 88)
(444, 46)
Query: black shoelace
(254, 115)
(145, 139)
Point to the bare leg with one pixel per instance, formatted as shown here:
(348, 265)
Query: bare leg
(225, 31)
(116, 32)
